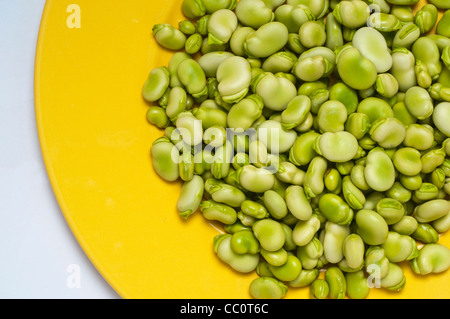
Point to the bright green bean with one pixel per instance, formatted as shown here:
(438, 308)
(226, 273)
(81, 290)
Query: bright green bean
(333, 181)
(165, 158)
(405, 226)
(302, 151)
(186, 166)
(384, 22)
(388, 132)
(403, 12)
(212, 6)
(352, 14)
(167, 36)
(304, 231)
(254, 209)
(395, 279)
(289, 271)
(334, 34)
(425, 233)
(333, 241)
(310, 253)
(190, 196)
(275, 91)
(234, 76)
(406, 36)
(157, 116)
(266, 40)
(318, 7)
(355, 70)
(193, 8)
(399, 192)
(373, 46)
(336, 282)
(275, 204)
(312, 34)
(357, 287)
(267, 288)
(212, 210)
(443, 25)
(379, 171)
(352, 194)
(244, 242)
(332, 116)
(427, 51)
(353, 251)
(314, 183)
(441, 116)
(319, 289)
(297, 203)
(275, 258)
(224, 193)
(403, 63)
(317, 91)
(442, 224)
(221, 26)
(244, 263)
(426, 18)
(289, 173)
(432, 159)
(254, 13)
(156, 84)
(419, 103)
(296, 112)
(433, 258)
(293, 16)
(403, 2)
(244, 113)
(193, 77)
(399, 247)
(270, 234)
(306, 277)
(277, 140)
(337, 147)
(376, 262)
(282, 61)
(386, 85)
(372, 228)
(432, 210)
(335, 209)
(346, 95)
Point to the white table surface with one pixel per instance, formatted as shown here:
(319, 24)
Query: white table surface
(39, 257)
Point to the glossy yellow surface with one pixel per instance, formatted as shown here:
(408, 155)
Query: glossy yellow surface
(96, 143)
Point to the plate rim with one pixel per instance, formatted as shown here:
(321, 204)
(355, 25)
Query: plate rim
(46, 158)
(44, 153)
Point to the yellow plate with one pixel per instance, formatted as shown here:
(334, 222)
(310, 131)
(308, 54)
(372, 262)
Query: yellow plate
(92, 60)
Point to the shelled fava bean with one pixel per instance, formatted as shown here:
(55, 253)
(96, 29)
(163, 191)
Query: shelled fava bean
(316, 132)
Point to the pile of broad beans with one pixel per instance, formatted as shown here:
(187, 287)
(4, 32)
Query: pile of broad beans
(316, 132)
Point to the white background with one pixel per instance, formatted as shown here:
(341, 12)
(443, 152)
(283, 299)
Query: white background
(38, 253)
